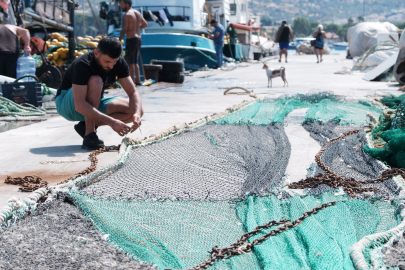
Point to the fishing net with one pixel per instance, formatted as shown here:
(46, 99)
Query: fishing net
(169, 201)
(346, 157)
(323, 107)
(170, 233)
(58, 236)
(322, 241)
(390, 142)
(212, 162)
(392, 101)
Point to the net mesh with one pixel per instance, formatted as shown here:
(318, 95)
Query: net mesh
(169, 233)
(211, 162)
(323, 107)
(346, 157)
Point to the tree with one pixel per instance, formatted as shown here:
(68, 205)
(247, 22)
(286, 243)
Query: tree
(334, 28)
(301, 26)
(265, 21)
(360, 19)
(350, 22)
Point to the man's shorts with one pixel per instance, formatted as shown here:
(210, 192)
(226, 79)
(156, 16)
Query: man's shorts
(283, 45)
(132, 50)
(65, 106)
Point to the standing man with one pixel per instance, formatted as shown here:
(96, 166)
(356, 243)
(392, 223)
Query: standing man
(9, 50)
(218, 38)
(132, 23)
(80, 97)
(283, 35)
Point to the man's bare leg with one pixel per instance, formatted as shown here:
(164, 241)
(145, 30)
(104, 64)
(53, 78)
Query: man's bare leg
(286, 54)
(132, 71)
(316, 53)
(321, 53)
(281, 54)
(138, 74)
(119, 109)
(94, 89)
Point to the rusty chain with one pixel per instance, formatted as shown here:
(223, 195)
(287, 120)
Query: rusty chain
(332, 179)
(240, 247)
(28, 183)
(32, 183)
(94, 160)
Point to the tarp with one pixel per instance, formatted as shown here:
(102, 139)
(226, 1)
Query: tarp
(364, 35)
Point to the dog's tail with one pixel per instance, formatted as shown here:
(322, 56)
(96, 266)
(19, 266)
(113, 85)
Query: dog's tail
(282, 70)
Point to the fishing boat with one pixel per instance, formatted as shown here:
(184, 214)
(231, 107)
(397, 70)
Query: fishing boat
(177, 30)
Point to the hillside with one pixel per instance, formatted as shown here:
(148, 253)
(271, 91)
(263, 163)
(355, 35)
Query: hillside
(330, 11)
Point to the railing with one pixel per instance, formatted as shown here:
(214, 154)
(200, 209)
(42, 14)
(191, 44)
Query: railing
(165, 6)
(56, 10)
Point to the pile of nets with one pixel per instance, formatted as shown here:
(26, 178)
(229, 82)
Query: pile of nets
(390, 138)
(392, 101)
(8, 107)
(170, 200)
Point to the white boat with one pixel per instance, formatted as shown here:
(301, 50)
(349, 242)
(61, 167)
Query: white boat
(340, 45)
(177, 30)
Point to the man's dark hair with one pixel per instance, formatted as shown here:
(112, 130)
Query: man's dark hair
(129, 2)
(110, 46)
(284, 22)
(213, 21)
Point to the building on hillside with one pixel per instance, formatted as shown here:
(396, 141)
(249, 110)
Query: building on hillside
(332, 37)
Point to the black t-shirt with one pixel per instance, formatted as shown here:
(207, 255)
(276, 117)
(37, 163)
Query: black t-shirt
(85, 66)
(285, 35)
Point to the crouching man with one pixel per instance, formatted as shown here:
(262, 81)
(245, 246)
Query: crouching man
(80, 96)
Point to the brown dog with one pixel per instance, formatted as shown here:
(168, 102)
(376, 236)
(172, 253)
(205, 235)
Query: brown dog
(272, 73)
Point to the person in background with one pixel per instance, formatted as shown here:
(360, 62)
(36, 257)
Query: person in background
(133, 22)
(320, 37)
(283, 35)
(218, 38)
(9, 50)
(6, 13)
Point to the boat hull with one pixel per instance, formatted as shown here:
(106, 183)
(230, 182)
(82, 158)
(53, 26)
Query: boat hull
(193, 58)
(195, 51)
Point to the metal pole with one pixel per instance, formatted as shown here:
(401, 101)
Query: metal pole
(95, 17)
(364, 10)
(143, 30)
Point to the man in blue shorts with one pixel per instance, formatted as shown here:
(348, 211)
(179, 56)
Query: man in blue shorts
(80, 96)
(218, 38)
(283, 35)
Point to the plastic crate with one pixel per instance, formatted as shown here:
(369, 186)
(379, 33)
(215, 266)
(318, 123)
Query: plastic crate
(23, 92)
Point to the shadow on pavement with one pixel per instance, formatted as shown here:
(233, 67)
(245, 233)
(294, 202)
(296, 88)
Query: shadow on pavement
(59, 151)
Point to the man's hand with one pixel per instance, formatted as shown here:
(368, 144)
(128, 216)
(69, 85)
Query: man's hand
(27, 50)
(121, 128)
(136, 119)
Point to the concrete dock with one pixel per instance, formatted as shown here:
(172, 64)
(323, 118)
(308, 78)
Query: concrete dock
(52, 150)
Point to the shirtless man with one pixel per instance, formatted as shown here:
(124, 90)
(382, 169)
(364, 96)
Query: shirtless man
(133, 22)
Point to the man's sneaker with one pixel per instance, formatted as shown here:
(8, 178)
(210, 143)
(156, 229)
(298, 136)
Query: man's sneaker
(81, 130)
(92, 142)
